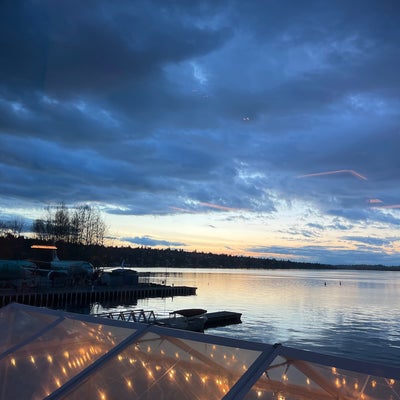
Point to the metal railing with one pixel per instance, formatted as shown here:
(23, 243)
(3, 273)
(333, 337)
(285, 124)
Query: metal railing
(147, 317)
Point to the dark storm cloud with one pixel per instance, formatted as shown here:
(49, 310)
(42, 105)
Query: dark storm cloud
(71, 47)
(149, 107)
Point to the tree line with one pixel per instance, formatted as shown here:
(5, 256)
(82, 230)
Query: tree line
(81, 225)
(12, 247)
(12, 227)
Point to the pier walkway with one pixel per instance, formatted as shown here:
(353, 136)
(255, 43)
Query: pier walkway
(56, 297)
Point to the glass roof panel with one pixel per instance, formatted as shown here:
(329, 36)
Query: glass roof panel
(44, 364)
(21, 324)
(290, 379)
(166, 367)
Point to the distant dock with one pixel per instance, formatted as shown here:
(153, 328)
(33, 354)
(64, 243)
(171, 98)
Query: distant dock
(57, 297)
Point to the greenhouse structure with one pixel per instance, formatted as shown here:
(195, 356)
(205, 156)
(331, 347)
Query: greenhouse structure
(49, 354)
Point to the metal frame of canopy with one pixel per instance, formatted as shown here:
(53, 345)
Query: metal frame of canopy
(270, 371)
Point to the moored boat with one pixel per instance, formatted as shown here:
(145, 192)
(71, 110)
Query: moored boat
(192, 319)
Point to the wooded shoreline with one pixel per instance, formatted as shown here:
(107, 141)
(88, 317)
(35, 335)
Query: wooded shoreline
(12, 247)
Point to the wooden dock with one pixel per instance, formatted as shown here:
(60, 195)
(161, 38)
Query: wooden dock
(57, 297)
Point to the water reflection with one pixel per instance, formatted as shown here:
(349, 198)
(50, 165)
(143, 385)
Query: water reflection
(356, 314)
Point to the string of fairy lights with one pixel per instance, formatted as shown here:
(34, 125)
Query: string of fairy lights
(181, 367)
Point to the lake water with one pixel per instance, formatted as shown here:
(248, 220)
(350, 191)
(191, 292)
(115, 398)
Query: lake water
(352, 314)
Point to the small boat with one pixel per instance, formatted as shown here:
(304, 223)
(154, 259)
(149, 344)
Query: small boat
(192, 319)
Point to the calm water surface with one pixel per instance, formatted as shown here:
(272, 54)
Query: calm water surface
(355, 315)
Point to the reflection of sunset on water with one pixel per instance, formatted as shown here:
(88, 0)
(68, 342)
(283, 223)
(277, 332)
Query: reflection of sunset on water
(295, 307)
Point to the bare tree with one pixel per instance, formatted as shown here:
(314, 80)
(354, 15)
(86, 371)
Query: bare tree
(61, 223)
(83, 225)
(39, 228)
(13, 227)
(16, 226)
(88, 225)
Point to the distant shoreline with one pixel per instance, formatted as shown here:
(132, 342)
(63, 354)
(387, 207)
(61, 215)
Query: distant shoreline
(322, 268)
(19, 248)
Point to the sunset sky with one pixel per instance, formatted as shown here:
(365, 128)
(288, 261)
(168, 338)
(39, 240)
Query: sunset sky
(260, 128)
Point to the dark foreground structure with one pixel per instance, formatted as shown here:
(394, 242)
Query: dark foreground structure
(49, 354)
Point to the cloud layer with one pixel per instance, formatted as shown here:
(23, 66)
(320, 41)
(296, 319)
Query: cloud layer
(160, 108)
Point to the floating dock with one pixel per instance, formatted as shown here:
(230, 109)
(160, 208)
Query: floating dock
(222, 318)
(57, 297)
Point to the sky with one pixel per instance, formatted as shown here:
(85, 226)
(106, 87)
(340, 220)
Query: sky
(258, 128)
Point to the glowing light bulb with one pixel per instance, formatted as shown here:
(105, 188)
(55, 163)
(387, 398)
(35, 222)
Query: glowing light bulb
(13, 362)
